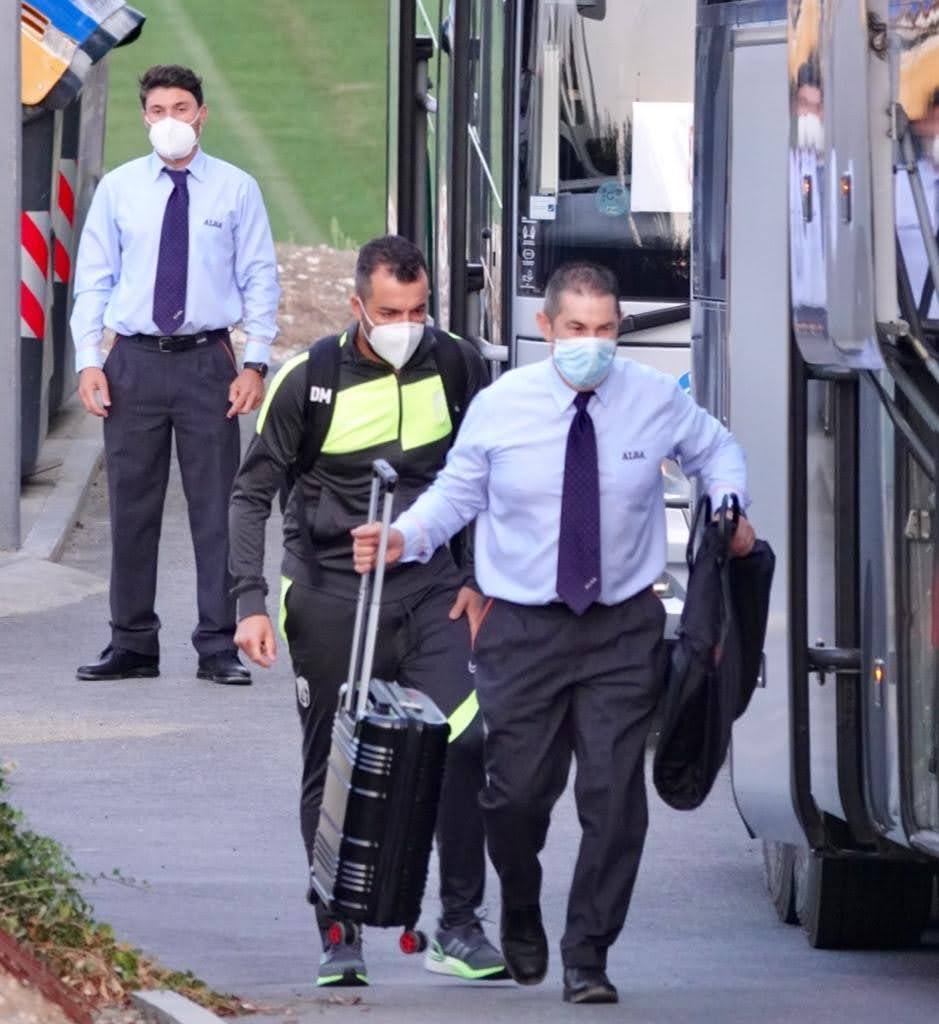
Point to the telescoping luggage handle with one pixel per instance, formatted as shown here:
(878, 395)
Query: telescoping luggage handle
(384, 479)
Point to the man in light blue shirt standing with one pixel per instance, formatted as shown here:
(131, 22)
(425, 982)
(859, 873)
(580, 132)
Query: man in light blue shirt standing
(559, 463)
(176, 249)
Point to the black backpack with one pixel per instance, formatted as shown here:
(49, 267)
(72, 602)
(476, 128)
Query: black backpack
(322, 372)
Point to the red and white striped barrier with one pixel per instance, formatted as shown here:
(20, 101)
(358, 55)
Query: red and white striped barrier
(63, 221)
(35, 235)
(66, 216)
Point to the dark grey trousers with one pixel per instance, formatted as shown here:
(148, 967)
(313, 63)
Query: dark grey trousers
(155, 396)
(418, 646)
(552, 684)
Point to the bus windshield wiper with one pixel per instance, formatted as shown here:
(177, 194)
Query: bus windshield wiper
(655, 318)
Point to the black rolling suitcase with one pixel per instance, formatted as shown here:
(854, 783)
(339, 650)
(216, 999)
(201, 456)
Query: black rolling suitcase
(376, 823)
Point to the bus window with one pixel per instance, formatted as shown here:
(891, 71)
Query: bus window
(605, 143)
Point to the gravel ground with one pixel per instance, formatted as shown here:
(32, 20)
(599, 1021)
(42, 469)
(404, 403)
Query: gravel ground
(316, 283)
(20, 1004)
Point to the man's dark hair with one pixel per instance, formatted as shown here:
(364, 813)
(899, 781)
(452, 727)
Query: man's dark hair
(809, 73)
(170, 76)
(583, 278)
(402, 258)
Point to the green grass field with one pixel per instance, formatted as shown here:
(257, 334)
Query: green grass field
(296, 96)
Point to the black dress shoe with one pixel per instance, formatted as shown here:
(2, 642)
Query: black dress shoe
(116, 663)
(224, 667)
(588, 985)
(524, 944)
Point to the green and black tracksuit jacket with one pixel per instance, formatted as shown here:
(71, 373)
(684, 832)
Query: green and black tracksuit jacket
(401, 417)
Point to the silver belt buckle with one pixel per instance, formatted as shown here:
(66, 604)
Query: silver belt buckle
(163, 343)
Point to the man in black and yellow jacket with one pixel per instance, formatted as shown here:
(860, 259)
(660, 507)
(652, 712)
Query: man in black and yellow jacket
(389, 387)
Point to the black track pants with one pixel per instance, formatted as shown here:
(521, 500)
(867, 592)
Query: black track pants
(417, 646)
(552, 685)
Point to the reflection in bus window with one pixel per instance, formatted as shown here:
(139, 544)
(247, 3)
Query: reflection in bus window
(807, 199)
(926, 134)
(605, 144)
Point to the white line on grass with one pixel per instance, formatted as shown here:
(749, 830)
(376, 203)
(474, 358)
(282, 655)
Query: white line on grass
(277, 187)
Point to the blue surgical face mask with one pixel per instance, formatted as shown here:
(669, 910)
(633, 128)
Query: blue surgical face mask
(584, 362)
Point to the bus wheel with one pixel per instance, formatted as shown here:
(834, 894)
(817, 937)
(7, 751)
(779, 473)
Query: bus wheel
(778, 868)
(861, 904)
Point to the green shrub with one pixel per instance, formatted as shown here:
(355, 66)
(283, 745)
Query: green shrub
(42, 907)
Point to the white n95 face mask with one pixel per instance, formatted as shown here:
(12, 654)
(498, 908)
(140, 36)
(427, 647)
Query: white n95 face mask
(810, 132)
(584, 362)
(395, 343)
(173, 139)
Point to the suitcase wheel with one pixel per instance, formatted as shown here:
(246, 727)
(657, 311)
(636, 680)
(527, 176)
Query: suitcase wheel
(340, 931)
(412, 941)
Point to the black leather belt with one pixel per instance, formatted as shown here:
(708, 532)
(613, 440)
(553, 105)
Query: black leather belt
(178, 342)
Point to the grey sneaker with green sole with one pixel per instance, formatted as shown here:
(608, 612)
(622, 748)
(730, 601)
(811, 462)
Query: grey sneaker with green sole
(465, 952)
(342, 963)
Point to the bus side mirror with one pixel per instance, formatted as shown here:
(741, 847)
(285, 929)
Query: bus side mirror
(593, 9)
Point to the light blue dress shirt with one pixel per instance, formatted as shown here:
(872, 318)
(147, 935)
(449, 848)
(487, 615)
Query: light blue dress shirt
(232, 274)
(507, 470)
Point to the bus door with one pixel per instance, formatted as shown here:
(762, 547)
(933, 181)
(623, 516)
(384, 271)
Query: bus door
(742, 352)
(447, 131)
(813, 748)
(867, 360)
(838, 749)
(472, 134)
(800, 346)
(912, 75)
(411, 164)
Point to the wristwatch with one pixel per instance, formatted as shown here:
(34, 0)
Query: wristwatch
(259, 368)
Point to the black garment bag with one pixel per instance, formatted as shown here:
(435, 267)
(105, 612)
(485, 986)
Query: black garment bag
(716, 660)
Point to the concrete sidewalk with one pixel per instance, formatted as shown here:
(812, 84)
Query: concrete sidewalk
(51, 498)
(186, 786)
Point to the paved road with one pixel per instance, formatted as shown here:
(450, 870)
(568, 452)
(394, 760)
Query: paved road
(192, 788)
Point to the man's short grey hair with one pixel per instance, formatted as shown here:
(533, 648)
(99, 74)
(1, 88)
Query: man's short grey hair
(582, 278)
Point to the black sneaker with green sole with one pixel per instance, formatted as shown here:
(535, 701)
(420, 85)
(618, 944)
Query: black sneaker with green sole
(465, 952)
(342, 963)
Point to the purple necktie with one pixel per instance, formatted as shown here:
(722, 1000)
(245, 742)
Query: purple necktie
(169, 289)
(579, 542)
